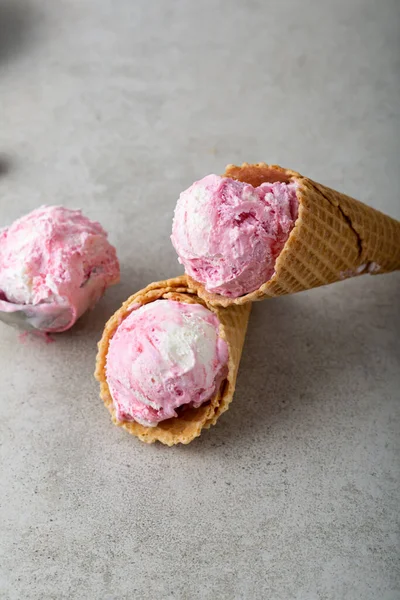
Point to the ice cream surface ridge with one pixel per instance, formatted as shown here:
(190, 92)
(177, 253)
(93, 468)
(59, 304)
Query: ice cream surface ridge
(164, 355)
(228, 234)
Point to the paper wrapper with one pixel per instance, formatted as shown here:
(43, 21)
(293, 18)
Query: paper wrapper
(334, 237)
(188, 425)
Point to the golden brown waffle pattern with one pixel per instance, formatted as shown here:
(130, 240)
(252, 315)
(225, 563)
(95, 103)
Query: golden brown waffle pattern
(334, 237)
(189, 424)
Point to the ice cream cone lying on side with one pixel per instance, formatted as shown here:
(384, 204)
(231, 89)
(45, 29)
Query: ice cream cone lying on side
(261, 231)
(167, 362)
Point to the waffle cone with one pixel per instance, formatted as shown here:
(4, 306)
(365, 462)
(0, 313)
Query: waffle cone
(334, 237)
(188, 425)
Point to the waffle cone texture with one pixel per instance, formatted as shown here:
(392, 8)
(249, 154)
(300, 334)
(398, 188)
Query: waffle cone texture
(189, 424)
(334, 237)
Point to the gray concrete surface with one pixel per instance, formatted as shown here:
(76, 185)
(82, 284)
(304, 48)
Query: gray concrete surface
(115, 107)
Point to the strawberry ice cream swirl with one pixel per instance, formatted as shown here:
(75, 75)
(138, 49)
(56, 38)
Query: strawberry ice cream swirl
(163, 356)
(55, 258)
(228, 234)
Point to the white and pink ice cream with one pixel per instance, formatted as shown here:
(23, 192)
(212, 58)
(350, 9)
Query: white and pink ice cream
(163, 356)
(229, 234)
(54, 264)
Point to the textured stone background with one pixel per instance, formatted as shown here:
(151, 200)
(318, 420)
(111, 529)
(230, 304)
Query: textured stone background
(115, 107)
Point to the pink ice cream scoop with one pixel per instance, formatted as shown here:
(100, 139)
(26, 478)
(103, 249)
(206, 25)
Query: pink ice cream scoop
(54, 264)
(164, 355)
(229, 234)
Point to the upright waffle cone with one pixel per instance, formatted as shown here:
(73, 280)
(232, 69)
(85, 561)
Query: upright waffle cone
(188, 425)
(334, 237)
